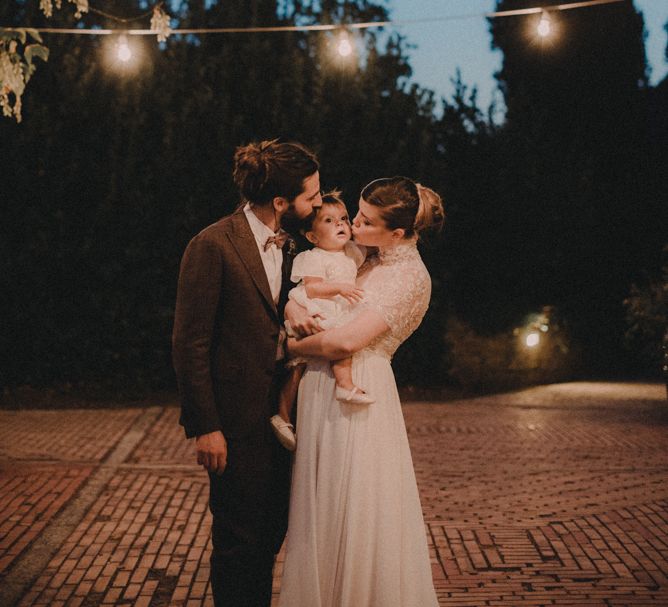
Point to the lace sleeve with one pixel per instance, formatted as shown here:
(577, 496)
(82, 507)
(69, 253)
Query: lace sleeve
(401, 296)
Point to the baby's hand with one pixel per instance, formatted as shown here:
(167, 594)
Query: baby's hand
(352, 293)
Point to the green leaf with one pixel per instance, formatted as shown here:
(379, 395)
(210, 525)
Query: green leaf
(36, 50)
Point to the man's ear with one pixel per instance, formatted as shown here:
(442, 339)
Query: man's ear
(280, 204)
(311, 237)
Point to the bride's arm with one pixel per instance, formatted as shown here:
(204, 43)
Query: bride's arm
(341, 342)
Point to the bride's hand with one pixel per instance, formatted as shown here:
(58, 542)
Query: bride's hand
(351, 293)
(293, 345)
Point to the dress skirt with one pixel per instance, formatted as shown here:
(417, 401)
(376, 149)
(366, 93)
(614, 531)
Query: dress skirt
(356, 535)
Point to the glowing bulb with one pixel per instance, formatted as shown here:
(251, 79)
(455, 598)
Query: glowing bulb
(544, 328)
(344, 47)
(532, 339)
(544, 26)
(123, 50)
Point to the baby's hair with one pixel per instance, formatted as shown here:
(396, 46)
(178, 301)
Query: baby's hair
(331, 198)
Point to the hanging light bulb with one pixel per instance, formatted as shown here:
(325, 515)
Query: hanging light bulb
(544, 25)
(532, 340)
(344, 48)
(123, 51)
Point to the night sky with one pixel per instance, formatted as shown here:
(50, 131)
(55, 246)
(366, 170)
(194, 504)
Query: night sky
(442, 47)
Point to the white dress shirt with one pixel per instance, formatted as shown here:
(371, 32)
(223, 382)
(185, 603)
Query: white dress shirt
(272, 260)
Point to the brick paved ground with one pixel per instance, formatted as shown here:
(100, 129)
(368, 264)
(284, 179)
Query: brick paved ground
(556, 495)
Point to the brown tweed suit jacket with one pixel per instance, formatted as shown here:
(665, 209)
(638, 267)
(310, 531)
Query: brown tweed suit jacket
(226, 330)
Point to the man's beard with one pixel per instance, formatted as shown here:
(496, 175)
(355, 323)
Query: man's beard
(290, 222)
(296, 227)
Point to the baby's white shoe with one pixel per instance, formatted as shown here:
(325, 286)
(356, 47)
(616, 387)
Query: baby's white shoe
(284, 431)
(353, 397)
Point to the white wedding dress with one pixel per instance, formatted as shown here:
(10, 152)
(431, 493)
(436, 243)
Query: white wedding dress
(356, 535)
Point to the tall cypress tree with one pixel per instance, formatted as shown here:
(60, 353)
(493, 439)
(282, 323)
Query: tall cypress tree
(572, 151)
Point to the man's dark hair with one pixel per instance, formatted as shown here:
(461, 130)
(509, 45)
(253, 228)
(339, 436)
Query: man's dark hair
(269, 169)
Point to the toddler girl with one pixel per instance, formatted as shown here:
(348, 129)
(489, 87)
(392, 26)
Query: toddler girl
(326, 275)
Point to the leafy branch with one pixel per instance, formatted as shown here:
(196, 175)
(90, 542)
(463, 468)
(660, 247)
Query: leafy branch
(16, 66)
(47, 7)
(16, 56)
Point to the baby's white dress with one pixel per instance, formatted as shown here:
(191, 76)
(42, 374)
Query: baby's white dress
(331, 266)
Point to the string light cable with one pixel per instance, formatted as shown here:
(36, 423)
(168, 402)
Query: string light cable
(543, 10)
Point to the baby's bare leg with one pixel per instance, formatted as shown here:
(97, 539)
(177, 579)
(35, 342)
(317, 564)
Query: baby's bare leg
(289, 391)
(346, 390)
(343, 372)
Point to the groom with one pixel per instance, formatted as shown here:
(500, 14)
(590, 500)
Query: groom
(227, 355)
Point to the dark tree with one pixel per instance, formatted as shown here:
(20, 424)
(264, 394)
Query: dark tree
(576, 218)
(112, 173)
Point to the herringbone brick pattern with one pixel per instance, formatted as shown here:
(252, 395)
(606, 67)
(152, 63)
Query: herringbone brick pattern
(551, 496)
(69, 435)
(29, 498)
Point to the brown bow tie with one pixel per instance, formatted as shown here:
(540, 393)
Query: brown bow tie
(277, 239)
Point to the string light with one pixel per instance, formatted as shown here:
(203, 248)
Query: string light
(328, 27)
(344, 47)
(533, 339)
(544, 28)
(123, 51)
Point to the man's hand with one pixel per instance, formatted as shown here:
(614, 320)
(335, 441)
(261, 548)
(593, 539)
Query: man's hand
(300, 321)
(212, 451)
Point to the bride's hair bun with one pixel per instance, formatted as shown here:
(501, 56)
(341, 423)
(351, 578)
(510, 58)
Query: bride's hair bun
(405, 204)
(430, 212)
(269, 169)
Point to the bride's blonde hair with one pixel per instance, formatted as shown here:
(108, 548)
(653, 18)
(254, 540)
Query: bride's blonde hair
(405, 204)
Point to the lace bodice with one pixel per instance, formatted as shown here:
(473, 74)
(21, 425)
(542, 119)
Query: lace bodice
(398, 286)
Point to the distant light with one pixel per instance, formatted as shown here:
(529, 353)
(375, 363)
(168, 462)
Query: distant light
(544, 328)
(344, 48)
(532, 339)
(123, 51)
(544, 26)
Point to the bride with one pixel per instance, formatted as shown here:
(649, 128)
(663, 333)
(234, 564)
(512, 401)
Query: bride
(356, 535)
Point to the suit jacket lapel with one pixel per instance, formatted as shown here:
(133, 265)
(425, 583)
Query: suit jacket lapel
(244, 242)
